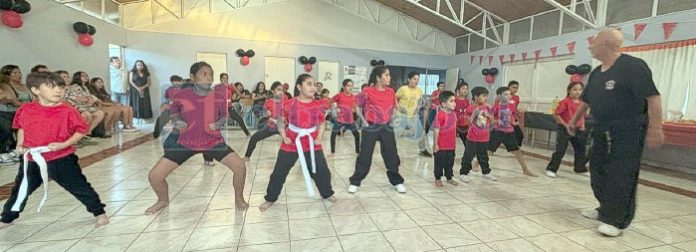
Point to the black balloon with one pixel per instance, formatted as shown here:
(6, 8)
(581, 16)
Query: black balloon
(250, 53)
(21, 6)
(485, 71)
(571, 69)
(493, 71)
(303, 60)
(240, 52)
(91, 30)
(373, 62)
(584, 69)
(312, 60)
(6, 4)
(80, 27)
(380, 62)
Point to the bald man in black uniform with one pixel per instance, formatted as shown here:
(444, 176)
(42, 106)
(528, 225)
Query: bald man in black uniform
(627, 109)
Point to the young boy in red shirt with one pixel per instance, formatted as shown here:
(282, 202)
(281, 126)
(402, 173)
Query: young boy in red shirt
(504, 129)
(49, 150)
(461, 104)
(301, 130)
(514, 86)
(444, 132)
(434, 104)
(564, 113)
(478, 136)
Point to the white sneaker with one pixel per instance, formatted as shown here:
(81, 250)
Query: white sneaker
(592, 214)
(551, 174)
(352, 188)
(400, 188)
(609, 230)
(490, 177)
(464, 178)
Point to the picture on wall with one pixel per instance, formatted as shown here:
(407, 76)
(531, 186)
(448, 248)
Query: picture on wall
(328, 75)
(356, 73)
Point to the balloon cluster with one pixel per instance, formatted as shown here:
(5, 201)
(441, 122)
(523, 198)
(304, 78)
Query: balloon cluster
(85, 33)
(244, 60)
(490, 74)
(11, 10)
(307, 62)
(577, 72)
(375, 63)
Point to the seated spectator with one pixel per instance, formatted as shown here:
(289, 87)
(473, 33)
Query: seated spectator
(96, 87)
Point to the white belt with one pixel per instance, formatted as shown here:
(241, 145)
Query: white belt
(300, 152)
(43, 168)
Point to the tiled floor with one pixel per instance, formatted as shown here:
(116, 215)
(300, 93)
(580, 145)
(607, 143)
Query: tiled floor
(516, 213)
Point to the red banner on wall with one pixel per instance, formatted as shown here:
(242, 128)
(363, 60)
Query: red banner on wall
(668, 29)
(553, 51)
(638, 29)
(590, 39)
(490, 60)
(480, 60)
(472, 59)
(571, 47)
(512, 57)
(537, 54)
(502, 58)
(524, 56)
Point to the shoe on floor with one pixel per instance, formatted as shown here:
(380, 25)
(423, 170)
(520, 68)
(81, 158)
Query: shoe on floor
(206, 163)
(550, 174)
(609, 230)
(352, 188)
(464, 178)
(425, 153)
(592, 214)
(400, 188)
(490, 177)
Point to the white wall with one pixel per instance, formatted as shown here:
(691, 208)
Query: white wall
(47, 37)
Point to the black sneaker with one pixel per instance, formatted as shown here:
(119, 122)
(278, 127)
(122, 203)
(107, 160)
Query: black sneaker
(425, 153)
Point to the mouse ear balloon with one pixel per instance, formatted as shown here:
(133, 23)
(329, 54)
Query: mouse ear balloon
(240, 52)
(303, 60)
(80, 27)
(485, 71)
(571, 69)
(250, 53)
(91, 30)
(21, 6)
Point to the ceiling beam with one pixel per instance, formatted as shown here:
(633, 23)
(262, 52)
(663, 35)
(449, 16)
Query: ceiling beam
(453, 21)
(570, 13)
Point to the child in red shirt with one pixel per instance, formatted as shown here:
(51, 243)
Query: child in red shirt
(345, 105)
(434, 104)
(274, 108)
(49, 149)
(444, 132)
(376, 109)
(564, 113)
(504, 129)
(461, 104)
(478, 136)
(514, 86)
(301, 129)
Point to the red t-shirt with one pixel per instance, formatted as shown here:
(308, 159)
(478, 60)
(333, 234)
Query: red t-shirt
(516, 101)
(378, 105)
(446, 122)
(44, 125)
(345, 103)
(171, 92)
(479, 126)
(505, 117)
(275, 109)
(459, 109)
(326, 102)
(303, 115)
(566, 110)
(435, 99)
(199, 112)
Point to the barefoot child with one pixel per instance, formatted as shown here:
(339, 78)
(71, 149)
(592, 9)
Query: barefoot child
(504, 129)
(198, 113)
(301, 129)
(444, 132)
(478, 136)
(273, 107)
(564, 113)
(49, 150)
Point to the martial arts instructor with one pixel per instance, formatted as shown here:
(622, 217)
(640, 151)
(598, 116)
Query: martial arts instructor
(626, 106)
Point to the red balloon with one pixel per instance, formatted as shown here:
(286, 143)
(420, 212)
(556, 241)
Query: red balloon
(85, 39)
(244, 60)
(576, 78)
(490, 79)
(308, 67)
(11, 19)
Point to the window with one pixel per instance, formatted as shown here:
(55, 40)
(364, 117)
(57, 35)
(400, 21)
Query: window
(546, 25)
(476, 43)
(619, 11)
(428, 83)
(669, 6)
(462, 44)
(519, 31)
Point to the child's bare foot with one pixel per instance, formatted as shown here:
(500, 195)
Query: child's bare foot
(265, 206)
(452, 182)
(156, 207)
(331, 155)
(240, 203)
(102, 220)
(529, 173)
(332, 199)
(246, 159)
(438, 183)
(4, 225)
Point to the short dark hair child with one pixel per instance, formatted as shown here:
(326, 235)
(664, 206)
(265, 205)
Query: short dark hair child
(478, 91)
(445, 95)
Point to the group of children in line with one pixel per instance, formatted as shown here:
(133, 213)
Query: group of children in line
(198, 110)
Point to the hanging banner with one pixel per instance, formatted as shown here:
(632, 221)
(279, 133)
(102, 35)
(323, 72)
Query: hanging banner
(553, 51)
(638, 29)
(502, 58)
(571, 47)
(472, 59)
(590, 39)
(512, 57)
(524, 56)
(480, 60)
(490, 60)
(668, 29)
(537, 54)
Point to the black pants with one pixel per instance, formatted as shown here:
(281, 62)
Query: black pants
(238, 118)
(508, 139)
(519, 134)
(370, 135)
(65, 172)
(285, 162)
(578, 141)
(444, 161)
(615, 162)
(431, 117)
(7, 139)
(462, 132)
(337, 127)
(262, 134)
(478, 149)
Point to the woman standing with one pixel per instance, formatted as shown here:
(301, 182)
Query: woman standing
(139, 79)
